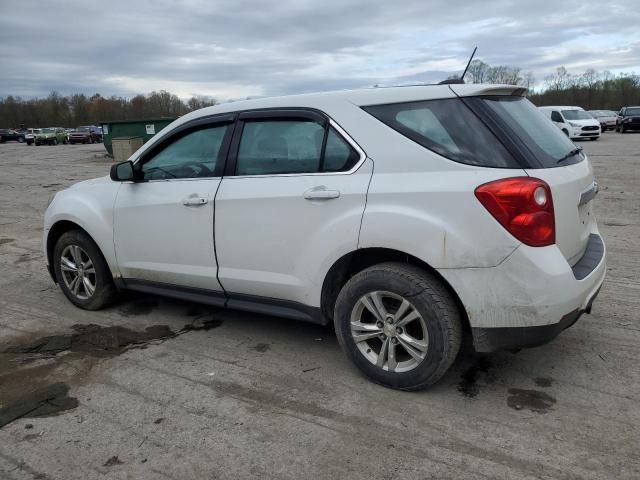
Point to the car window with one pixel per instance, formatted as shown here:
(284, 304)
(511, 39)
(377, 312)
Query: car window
(191, 156)
(542, 139)
(279, 147)
(339, 156)
(447, 127)
(556, 117)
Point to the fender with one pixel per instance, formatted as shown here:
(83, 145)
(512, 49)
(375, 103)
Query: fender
(90, 206)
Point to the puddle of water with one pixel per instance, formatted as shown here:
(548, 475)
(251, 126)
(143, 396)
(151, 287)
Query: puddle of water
(35, 375)
(534, 400)
(92, 339)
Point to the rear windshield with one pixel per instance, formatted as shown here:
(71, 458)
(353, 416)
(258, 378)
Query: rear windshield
(545, 145)
(447, 127)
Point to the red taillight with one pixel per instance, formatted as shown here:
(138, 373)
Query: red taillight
(522, 205)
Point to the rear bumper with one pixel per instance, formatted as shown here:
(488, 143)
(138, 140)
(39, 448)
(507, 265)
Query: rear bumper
(530, 297)
(506, 338)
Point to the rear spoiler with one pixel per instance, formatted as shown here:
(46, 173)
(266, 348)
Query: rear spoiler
(470, 90)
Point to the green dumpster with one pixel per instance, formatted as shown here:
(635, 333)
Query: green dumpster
(144, 129)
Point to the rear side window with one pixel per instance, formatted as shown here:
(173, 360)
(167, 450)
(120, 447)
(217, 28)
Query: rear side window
(546, 145)
(272, 147)
(447, 127)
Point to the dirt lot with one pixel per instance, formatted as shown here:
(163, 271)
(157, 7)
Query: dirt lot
(238, 396)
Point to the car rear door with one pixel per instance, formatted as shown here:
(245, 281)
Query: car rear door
(163, 225)
(291, 201)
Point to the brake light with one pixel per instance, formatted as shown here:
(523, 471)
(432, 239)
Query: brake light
(522, 205)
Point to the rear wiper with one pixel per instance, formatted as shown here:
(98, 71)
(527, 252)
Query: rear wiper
(571, 153)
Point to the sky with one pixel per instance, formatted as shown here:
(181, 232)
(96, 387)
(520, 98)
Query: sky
(235, 49)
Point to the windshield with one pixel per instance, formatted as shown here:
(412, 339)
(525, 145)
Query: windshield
(576, 115)
(632, 111)
(83, 129)
(47, 130)
(543, 140)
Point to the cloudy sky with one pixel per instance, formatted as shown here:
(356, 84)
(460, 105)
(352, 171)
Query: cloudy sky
(233, 49)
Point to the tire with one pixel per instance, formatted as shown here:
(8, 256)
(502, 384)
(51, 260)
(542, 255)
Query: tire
(394, 284)
(55, 141)
(104, 292)
(623, 129)
(594, 138)
(20, 140)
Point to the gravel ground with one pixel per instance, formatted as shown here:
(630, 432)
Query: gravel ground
(229, 395)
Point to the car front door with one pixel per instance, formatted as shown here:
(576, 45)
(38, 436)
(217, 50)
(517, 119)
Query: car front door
(163, 224)
(291, 201)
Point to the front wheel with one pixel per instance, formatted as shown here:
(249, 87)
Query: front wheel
(82, 272)
(399, 325)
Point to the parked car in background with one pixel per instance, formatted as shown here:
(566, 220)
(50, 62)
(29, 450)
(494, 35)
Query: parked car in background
(628, 119)
(30, 135)
(50, 136)
(7, 135)
(574, 122)
(86, 134)
(478, 217)
(607, 118)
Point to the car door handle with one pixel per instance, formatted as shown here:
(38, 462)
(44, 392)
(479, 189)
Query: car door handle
(320, 193)
(194, 201)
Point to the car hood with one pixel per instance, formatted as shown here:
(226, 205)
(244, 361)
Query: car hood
(585, 122)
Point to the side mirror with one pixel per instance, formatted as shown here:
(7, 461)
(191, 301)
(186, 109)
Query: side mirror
(122, 172)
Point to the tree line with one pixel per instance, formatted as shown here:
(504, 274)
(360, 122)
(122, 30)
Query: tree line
(590, 90)
(79, 109)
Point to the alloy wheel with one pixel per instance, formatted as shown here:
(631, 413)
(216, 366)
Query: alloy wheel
(389, 331)
(78, 272)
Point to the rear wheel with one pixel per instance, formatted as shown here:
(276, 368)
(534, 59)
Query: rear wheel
(20, 139)
(399, 325)
(83, 274)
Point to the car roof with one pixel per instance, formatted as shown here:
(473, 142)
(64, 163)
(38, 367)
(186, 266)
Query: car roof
(362, 97)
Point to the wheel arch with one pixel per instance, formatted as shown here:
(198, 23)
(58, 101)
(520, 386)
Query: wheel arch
(353, 262)
(57, 230)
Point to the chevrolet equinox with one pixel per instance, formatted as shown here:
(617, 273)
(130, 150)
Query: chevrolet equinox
(406, 216)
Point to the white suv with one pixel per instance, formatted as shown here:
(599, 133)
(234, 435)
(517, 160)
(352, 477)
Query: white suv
(406, 216)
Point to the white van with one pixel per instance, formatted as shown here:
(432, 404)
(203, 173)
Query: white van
(575, 122)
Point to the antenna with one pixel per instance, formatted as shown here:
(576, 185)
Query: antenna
(461, 79)
(469, 63)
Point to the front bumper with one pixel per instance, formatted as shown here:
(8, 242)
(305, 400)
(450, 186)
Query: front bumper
(530, 297)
